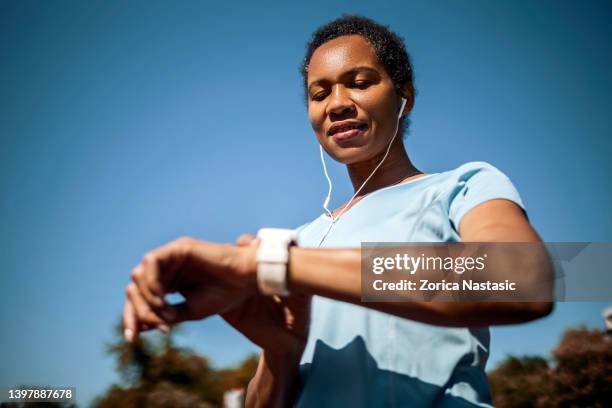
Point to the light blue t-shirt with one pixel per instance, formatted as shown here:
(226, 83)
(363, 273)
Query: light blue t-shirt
(360, 357)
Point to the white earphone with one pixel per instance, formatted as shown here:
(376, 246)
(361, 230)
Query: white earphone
(326, 202)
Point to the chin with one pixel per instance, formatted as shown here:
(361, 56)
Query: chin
(349, 155)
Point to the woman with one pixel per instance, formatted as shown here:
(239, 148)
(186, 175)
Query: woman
(340, 351)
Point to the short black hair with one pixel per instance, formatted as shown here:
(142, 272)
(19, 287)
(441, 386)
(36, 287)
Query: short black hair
(388, 46)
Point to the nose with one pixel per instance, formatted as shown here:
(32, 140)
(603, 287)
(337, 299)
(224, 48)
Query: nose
(339, 101)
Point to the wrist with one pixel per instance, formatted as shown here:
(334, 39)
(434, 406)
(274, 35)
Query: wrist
(273, 259)
(244, 262)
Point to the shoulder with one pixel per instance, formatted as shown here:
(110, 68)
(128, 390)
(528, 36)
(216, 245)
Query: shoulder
(301, 227)
(477, 173)
(481, 168)
(474, 183)
(470, 172)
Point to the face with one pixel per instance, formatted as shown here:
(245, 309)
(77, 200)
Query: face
(352, 102)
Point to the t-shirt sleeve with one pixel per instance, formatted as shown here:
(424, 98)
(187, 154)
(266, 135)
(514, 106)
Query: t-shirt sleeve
(475, 183)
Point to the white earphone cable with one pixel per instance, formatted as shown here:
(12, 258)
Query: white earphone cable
(328, 197)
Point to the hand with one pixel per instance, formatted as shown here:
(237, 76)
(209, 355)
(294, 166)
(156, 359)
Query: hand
(214, 279)
(211, 277)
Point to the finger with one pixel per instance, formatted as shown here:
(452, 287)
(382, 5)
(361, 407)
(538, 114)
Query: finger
(159, 267)
(200, 303)
(176, 313)
(144, 314)
(245, 239)
(130, 324)
(146, 285)
(146, 327)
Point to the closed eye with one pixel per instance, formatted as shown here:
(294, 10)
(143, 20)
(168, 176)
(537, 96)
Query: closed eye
(362, 84)
(319, 96)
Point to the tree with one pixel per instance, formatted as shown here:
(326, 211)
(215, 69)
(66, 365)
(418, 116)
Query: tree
(518, 381)
(580, 375)
(32, 404)
(160, 374)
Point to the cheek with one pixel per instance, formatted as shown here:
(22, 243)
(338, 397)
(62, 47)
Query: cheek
(381, 116)
(316, 119)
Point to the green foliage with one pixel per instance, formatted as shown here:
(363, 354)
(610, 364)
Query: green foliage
(579, 376)
(156, 373)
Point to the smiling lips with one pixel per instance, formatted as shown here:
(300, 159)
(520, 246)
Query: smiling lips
(346, 129)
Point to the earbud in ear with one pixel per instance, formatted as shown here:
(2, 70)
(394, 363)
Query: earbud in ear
(403, 105)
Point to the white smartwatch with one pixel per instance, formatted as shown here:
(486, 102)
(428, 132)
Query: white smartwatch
(272, 260)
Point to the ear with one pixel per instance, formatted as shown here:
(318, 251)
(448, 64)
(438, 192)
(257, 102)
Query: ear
(408, 93)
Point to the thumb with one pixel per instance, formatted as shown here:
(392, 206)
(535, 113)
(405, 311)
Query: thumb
(176, 313)
(199, 303)
(246, 239)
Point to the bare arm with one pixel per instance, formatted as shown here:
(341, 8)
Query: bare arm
(274, 382)
(222, 279)
(336, 273)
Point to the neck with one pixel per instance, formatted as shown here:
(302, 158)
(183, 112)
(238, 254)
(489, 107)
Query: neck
(396, 167)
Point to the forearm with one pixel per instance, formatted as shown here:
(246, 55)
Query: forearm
(274, 382)
(336, 274)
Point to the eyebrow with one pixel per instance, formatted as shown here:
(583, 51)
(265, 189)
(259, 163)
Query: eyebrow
(350, 72)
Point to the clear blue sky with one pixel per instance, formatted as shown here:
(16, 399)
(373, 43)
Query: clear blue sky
(124, 126)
